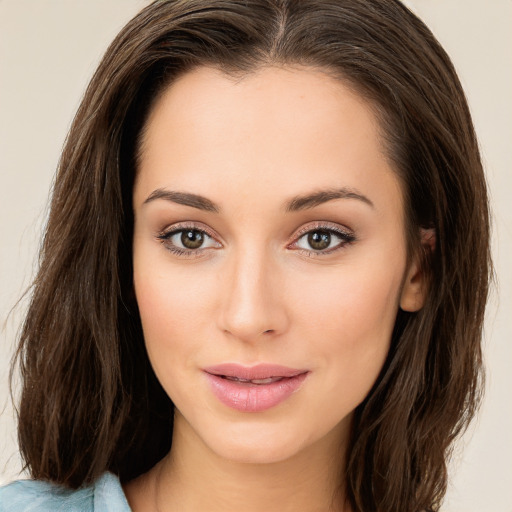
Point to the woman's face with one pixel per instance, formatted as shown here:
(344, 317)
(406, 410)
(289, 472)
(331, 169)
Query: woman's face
(269, 257)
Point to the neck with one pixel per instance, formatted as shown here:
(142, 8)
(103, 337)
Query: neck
(192, 477)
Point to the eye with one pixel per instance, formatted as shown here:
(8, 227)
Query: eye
(187, 240)
(322, 239)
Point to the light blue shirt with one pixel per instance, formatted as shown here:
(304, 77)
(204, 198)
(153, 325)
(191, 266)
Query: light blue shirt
(105, 495)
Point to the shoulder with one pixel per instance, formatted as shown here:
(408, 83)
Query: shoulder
(32, 495)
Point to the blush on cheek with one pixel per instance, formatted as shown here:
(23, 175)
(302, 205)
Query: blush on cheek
(353, 307)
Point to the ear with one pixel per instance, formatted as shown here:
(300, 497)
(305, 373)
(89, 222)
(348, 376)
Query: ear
(415, 287)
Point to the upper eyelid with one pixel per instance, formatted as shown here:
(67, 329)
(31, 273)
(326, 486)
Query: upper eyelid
(304, 229)
(181, 226)
(319, 225)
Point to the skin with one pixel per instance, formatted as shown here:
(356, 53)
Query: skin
(256, 291)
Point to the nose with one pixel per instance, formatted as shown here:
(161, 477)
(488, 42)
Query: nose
(253, 305)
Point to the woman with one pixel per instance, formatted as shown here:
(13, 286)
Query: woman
(264, 274)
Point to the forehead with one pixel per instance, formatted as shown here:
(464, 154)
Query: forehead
(282, 96)
(275, 130)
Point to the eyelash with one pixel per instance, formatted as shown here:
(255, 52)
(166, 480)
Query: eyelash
(346, 237)
(165, 236)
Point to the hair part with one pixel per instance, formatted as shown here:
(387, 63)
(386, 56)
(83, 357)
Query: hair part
(82, 341)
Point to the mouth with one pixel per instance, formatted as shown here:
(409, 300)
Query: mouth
(268, 380)
(253, 373)
(256, 388)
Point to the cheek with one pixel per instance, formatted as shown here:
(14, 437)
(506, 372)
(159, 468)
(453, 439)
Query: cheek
(351, 305)
(166, 312)
(175, 305)
(168, 302)
(170, 307)
(168, 323)
(348, 319)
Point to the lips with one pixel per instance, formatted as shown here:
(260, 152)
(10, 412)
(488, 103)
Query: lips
(256, 388)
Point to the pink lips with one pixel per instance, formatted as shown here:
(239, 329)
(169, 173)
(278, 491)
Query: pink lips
(256, 388)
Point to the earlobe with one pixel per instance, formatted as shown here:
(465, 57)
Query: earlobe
(415, 287)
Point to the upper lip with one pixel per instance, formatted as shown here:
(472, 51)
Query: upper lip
(259, 371)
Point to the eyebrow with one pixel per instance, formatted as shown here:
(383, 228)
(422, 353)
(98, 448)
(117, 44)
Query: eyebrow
(308, 201)
(185, 198)
(297, 203)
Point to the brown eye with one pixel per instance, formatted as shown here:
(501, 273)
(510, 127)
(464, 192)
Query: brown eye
(319, 240)
(188, 241)
(192, 238)
(323, 241)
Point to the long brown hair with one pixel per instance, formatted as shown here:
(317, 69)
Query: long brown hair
(90, 400)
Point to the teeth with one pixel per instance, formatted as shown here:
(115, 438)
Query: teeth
(268, 380)
(236, 379)
(265, 381)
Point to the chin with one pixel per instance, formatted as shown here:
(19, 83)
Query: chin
(270, 452)
(258, 442)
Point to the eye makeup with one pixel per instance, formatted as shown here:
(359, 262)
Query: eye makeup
(188, 239)
(323, 238)
(317, 239)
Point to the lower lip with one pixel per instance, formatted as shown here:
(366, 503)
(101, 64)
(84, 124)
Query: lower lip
(247, 397)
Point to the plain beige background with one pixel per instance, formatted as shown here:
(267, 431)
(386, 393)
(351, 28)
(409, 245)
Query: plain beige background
(48, 51)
